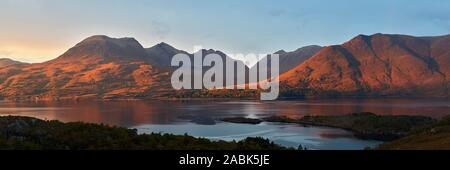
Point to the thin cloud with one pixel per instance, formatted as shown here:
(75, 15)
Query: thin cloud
(442, 21)
(159, 30)
(276, 12)
(4, 54)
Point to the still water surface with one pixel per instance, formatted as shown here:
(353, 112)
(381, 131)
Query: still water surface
(200, 117)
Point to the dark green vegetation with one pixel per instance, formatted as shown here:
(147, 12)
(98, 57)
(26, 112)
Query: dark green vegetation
(432, 137)
(364, 125)
(241, 120)
(30, 133)
(370, 125)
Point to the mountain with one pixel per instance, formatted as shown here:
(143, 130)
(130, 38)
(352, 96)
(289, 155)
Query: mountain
(289, 60)
(224, 58)
(97, 67)
(162, 53)
(103, 48)
(380, 64)
(7, 62)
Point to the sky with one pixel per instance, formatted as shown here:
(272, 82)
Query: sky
(40, 30)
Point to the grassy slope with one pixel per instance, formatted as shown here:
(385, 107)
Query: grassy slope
(434, 137)
(365, 125)
(371, 126)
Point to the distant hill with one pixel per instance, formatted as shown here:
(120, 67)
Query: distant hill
(380, 64)
(103, 48)
(97, 67)
(162, 53)
(7, 62)
(289, 60)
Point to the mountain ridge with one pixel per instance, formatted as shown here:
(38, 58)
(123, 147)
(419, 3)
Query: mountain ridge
(100, 67)
(7, 62)
(379, 64)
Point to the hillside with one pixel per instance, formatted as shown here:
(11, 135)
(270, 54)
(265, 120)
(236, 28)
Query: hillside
(289, 60)
(380, 64)
(434, 137)
(161, 54)
(98, 67)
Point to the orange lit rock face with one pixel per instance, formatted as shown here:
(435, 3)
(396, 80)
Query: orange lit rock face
(378, 65)
(98, 67)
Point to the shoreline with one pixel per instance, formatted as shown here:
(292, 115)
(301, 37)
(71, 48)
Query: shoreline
(26, 133)
(360, 124)
(311, 98)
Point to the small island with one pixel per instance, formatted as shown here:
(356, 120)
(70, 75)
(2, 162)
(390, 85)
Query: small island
(242, 120)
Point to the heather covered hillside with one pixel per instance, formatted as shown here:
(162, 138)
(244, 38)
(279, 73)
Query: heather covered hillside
(380, 64)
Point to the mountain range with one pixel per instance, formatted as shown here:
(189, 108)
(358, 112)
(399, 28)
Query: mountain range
(289, 60)
(97, 67)
(376, 65)
(100, 67)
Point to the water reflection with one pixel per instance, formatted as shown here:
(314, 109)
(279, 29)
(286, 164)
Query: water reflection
(134, 113)
(201, 118)
(289, 135)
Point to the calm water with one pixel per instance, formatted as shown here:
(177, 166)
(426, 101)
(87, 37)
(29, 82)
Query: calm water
(199, 117)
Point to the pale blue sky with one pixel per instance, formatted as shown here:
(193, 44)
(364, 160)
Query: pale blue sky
(38, 30)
